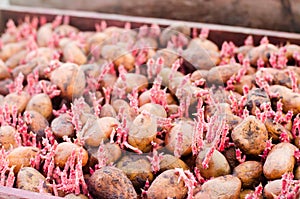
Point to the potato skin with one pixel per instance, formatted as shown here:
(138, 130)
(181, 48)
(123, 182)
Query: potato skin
(64, 151)
(20, 157)
(110, 183)
(40, 103)
(29, 179)
(7, 137)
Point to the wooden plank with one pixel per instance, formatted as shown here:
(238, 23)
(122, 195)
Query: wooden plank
(86, 20)
(12, 193)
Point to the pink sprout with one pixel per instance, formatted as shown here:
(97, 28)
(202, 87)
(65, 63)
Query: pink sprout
(17, 84)
(260, 63)
(284, 137)
(208, 157)
(297, 155)
(156, 158)
(189, 180)
(175, 67)
(204, 33)
(96, 103)
(198, 176)
(102, 157)
(50, 89)
(133, 100)
(145, 189)
(267, 149)
(107, 91)
(61, 111)
(296, 126)
(150, 65)
(57, 21)
(239, 157)
(76, 111)
(143, 31)
(178, 144)
(294, 81)
(154, 31)
(257, 193)
(290, 187)
(249, 41)
(264, 40)
(157, 95)
(197, 138)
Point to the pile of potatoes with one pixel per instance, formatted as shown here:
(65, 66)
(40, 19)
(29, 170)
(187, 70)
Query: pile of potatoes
(104, 110)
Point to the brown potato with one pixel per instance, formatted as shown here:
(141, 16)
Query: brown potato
(138, 170)
(69, 79)
(62, 126)
(44, 35)
(18, 100)
(20, 157)
(3, 71)
(169, 56)
(171, 162)
(11, 48)
(221, 74)
(3, 86)
(72, 53)
(154, 109)
(42, 104)
(107, 111)
(249, 173)
(38, 123)
(30, 179)
(290, 99)
(64, 151)
(186, 128)
(110, 182)
(15, 59)
(255, 98)
(174, 30)
(167, 185)
(262, 51)
(142, 132)
(100, 131)
(8, 137)
(275, 129)
(132, 81)
(73, 196)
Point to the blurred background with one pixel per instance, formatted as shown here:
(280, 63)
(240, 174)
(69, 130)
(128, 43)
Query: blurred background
(281, 15)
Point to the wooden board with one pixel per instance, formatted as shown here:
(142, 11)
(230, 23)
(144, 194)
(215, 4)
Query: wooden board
(86, 21)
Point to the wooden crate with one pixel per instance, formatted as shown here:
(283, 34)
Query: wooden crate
(86, 21)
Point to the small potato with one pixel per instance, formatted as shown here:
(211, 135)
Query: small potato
(167, 184)
(62, 126)
(72, 53)
(142, 132)
(38, 124)
(18, 100)
(64, 151)
(249, 173)
(3, 71)
(255, 98)
(20, 157)
(204, 43)
(138, 170)
(108, 111)
(30, 179)
(290, 99)
(7, 137)
(174, 30)
(154, 109)
(73, 196)
(169, 56)
(217, 166)
(100, 131)
(42, 104)
(186, 129)
(110, 182)
(3, 86)
(10, 49)
(44, 35)
(221, 74)
(25, 69)
(262, 51)
(165, 74)
(291, 49)
(171, 162)
(65, 30)
(15, 59)
(275, 129)
(69, 79)
(132, 81)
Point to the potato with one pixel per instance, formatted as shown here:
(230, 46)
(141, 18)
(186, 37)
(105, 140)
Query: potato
(8, 137)
(3, 86)
(255, 98)
(174, 30)
(62, 126)
(15, 59)
(96, 41)
(246, 80)
(290, 99)
(186, 129)
(44, 35)
(154, 109)
(30, 179)
(42, 104)
(132, 81)
(73, 196)
(198, 74)
(221, 74)
(199, 58)
(204, 43)
(69, 79)
(250, 136)
(275, 129)
(165, 74)
(272, 189)
(3, 71)
(107, 111)
(171, 162)
(18, 100)
(11, 48)
(249, 173)
(169, 56)
(109, 183)
(38, 124)
(262, 51)
(142, 132)
(25, 69)
(290, 50)
(118, 55)
(217, 166)
(20, 157)
(167, 184)
(100, 131)
(138, 170)
(65, 30)
(64, 151)
(72, 53)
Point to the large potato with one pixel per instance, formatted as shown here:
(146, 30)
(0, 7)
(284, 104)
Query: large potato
(8, 137)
